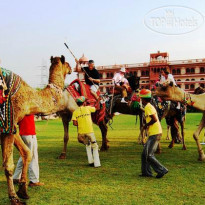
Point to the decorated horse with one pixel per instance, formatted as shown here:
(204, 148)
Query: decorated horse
(17, 100)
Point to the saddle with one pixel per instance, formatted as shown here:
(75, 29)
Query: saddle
(78, 88)
(9, 85)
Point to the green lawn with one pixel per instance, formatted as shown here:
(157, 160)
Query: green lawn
(71, 181)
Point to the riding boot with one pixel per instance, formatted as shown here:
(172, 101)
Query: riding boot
(89, 154)
(96, 155)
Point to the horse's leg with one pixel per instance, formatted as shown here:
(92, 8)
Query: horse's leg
(103, 127)
(65, 119)
(168, 131)
(174, 131)
(196, 137)
(7, 142)
(26, 158)
(182, 133)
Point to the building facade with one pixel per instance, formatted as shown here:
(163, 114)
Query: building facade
(189, 74)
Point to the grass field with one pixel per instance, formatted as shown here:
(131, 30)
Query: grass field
(72, 181)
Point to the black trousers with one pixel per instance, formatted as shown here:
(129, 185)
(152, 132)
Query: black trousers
(148, 158)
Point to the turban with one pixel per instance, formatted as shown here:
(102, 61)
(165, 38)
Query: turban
(145, 93)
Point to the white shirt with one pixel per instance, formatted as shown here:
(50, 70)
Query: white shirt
(171, 78)
(119, 78)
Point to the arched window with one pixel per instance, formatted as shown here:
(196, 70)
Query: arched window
(158, 70)
(186, 86)
(202, 70)
(192, 79)
(155, 70)
(187, 70)
(192, 86)
(202, 79)
(187, 79)
(147, 82)
(143, 73)
(142, 87)
(192, 70)
(147, 73)
(173, 71)
(178, 80)
(108, 75)
(143, 81)
(178, 71)
(111, 75)
(147, 87)
(100, 75)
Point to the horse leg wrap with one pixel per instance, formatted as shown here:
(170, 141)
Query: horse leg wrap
(89, 154)
(96, 154)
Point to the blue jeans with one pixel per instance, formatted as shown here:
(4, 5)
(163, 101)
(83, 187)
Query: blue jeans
(148, 158)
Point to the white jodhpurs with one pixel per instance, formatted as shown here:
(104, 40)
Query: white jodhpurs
(91, 148)
(31, 142)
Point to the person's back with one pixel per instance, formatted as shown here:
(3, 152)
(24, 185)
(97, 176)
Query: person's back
(83, 117)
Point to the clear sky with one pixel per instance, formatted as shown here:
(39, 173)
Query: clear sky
(108, 31)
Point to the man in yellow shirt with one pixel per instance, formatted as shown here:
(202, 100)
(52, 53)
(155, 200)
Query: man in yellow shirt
(82, 119)
(154, 131)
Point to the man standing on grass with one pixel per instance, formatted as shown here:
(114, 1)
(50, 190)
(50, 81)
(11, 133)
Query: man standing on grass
(28, 134)
(154, 131)
(82, 119)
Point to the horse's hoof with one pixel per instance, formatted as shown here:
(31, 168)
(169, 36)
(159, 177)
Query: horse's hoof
(16, 201)
(170, 146)
(104, 148)
(201, 158)
(184, 148)
(62, 156)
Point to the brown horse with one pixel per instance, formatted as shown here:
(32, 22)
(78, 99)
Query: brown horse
(28, 101)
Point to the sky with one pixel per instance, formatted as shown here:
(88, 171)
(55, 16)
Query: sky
(108, 31)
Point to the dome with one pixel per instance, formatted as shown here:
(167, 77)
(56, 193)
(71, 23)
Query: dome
(83, 59)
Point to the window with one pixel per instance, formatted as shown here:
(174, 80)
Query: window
(147, 87)
(187, 79)
(202, 85)
(192, 70)
(111, 75)
(192, 79)
(143, 81)
(202, 79)
(187, 70)
(192, 86)
(158, 70)
(202, 70)
(155, 70)
(178, 71)
(178, 80)
(135, 72)
(186, 86)
(108, 75)
(100, 75)
(147, 73)
(179, 86)
(143, 73)
(173, 71)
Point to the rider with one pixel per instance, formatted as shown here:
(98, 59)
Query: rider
(168, 77)
(92, 78)
(121, 83)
